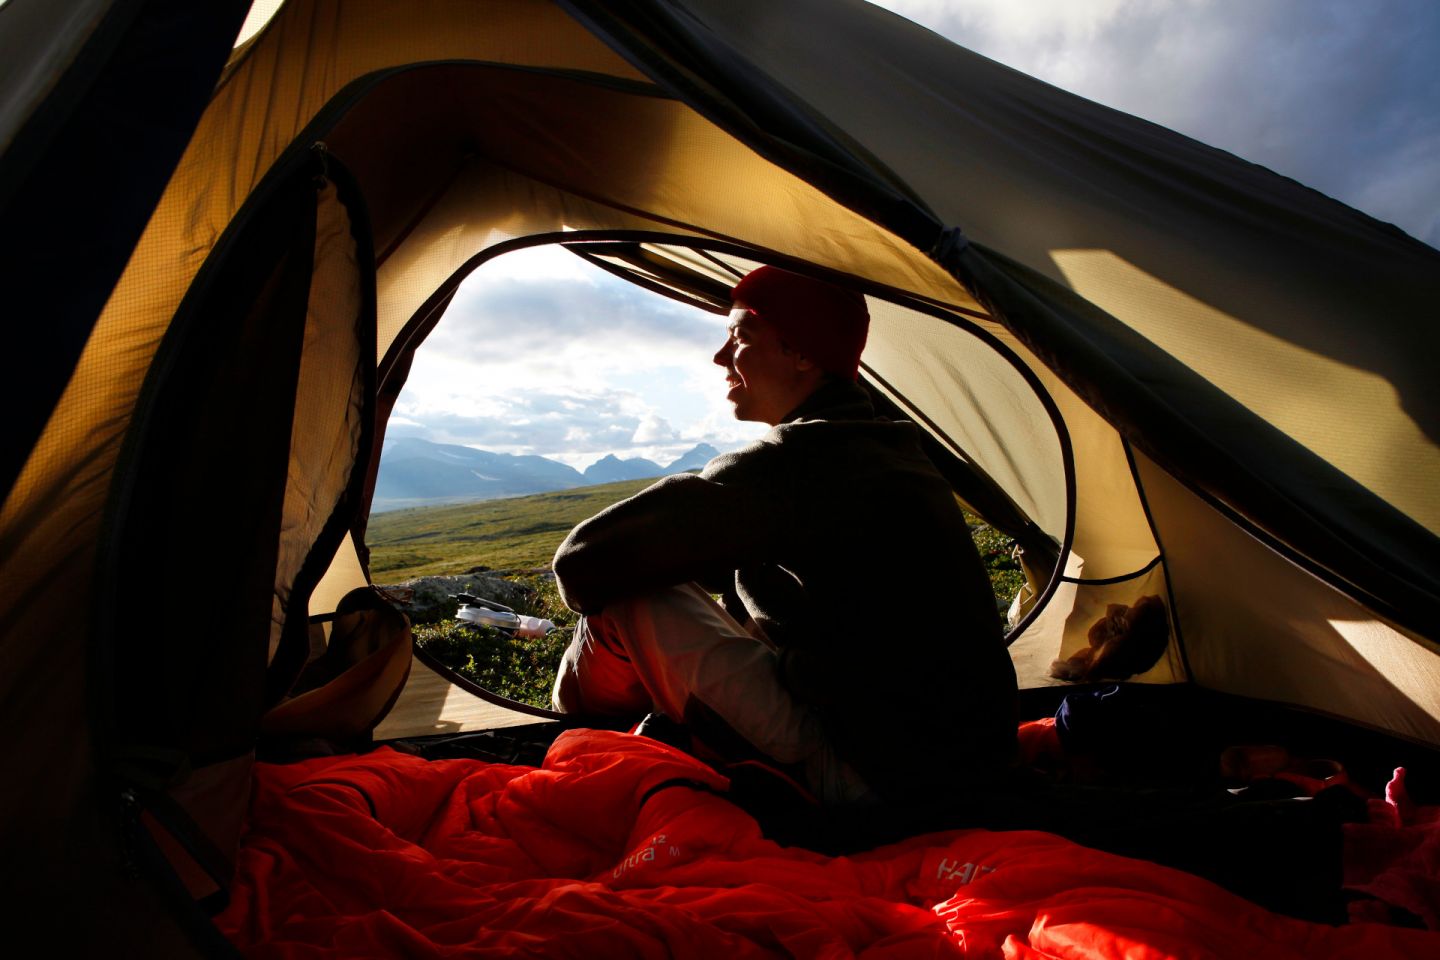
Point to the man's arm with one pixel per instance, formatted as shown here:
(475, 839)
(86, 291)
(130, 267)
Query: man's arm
(680, 529)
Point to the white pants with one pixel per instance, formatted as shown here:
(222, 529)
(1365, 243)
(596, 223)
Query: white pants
(659, 651)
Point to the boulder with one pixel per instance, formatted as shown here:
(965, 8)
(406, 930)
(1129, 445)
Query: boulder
(428, 599)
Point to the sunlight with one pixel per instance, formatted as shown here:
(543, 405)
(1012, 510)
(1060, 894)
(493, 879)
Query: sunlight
(260, 13)
(1295, 389)
(1404, 663)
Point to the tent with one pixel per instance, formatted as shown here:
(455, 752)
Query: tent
(1176, 372)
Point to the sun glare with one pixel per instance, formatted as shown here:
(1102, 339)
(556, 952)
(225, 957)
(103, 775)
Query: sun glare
(260, 13)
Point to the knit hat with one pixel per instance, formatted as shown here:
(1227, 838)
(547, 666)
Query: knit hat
(819, 320)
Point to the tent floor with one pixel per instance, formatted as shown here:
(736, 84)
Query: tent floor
(430, 705)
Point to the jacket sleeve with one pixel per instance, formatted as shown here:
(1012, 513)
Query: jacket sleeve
(683, 528)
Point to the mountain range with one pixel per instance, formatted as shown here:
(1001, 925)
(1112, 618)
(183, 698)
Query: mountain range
(416, 472)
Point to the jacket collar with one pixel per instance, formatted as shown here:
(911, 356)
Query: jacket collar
(834, 400)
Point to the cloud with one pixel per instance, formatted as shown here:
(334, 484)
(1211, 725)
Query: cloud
(1404, 175)
(654, 430)
(543, 424)
(542, 353)
(1342, 96)
(1029, 19)
(503, 315)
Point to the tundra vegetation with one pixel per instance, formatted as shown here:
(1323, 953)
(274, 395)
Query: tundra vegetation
(515, 539)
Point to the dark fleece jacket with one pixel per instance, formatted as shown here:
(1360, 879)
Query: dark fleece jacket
(912, 680)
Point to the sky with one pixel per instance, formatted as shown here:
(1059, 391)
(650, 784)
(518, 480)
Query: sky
(542, 354)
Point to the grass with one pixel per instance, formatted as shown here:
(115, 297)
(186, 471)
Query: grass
(519, 532)
(520, 535)
(515, 667)
(997, 553)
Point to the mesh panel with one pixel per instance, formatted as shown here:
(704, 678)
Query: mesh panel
(978, 400)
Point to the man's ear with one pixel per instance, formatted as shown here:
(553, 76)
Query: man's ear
(803, 364)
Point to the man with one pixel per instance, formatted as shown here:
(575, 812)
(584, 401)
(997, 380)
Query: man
(901, 695)
(872, 693)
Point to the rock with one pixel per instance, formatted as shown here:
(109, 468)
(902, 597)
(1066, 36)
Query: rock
(428, 599)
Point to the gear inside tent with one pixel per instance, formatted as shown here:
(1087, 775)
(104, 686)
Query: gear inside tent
(1163, 370)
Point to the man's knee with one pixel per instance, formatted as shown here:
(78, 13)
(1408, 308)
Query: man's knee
(596, 676)
(565, 696)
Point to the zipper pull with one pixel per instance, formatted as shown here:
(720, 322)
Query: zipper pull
(320, 155)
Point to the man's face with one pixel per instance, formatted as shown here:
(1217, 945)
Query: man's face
(766, 379)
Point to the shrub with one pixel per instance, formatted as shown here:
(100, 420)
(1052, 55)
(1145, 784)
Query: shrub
(997, 553)
(515, 667)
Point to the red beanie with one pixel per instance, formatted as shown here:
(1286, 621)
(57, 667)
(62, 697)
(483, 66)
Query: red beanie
(819, 320)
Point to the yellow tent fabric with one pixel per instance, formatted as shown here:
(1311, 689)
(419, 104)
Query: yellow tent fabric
(1201, 380)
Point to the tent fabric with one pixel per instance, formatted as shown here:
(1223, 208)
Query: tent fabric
(1390, 677)
(671, 169)
(1231, 242)
(66, 97)
(1014, 441)
(1325, 520)
(1236, 360)
(1086, 187)
(622, 846)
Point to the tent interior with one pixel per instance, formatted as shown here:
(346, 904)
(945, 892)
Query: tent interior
(1162, 370)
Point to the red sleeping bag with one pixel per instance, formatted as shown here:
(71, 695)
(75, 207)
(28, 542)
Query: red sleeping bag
(612, 849)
